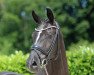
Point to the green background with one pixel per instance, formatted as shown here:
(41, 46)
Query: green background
(76, 23)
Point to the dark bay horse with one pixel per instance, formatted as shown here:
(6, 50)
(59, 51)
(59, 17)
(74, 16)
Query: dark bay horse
(48, 55)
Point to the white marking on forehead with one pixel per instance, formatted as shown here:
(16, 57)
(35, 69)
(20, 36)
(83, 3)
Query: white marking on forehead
(38, 36)
(40, 29)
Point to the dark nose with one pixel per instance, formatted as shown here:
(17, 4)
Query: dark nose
(31, 65)
(34, 63)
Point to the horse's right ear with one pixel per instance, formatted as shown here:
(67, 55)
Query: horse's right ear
(36, 18)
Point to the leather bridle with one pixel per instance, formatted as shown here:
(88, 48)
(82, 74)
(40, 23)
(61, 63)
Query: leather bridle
(37, 48)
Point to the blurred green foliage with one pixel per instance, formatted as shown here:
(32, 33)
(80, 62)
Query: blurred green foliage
(16, 23)
(80, 60)
(14, 63)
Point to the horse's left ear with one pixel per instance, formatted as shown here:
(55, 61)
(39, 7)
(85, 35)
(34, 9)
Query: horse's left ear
(50, 15)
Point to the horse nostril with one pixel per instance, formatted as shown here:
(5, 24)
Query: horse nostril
(34, 64)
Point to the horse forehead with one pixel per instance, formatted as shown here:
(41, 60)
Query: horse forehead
(43, 25)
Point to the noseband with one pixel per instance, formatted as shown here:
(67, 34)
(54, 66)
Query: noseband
(49, 50)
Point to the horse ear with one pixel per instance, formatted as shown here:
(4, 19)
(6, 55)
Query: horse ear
(50, 15)
(36, 18)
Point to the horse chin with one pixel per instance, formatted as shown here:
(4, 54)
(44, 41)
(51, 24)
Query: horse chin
(41, 72)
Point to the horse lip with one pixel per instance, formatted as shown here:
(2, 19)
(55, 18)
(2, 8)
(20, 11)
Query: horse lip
(41, 71)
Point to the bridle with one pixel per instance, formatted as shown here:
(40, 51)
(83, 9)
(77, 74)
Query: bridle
(49, 50)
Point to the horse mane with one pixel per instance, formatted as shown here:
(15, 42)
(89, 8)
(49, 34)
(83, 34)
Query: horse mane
(59, 66)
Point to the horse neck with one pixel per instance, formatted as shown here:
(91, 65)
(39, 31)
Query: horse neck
(59, 66)
(63, 56)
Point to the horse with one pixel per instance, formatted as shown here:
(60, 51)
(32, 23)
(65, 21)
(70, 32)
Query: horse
(48, 56)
